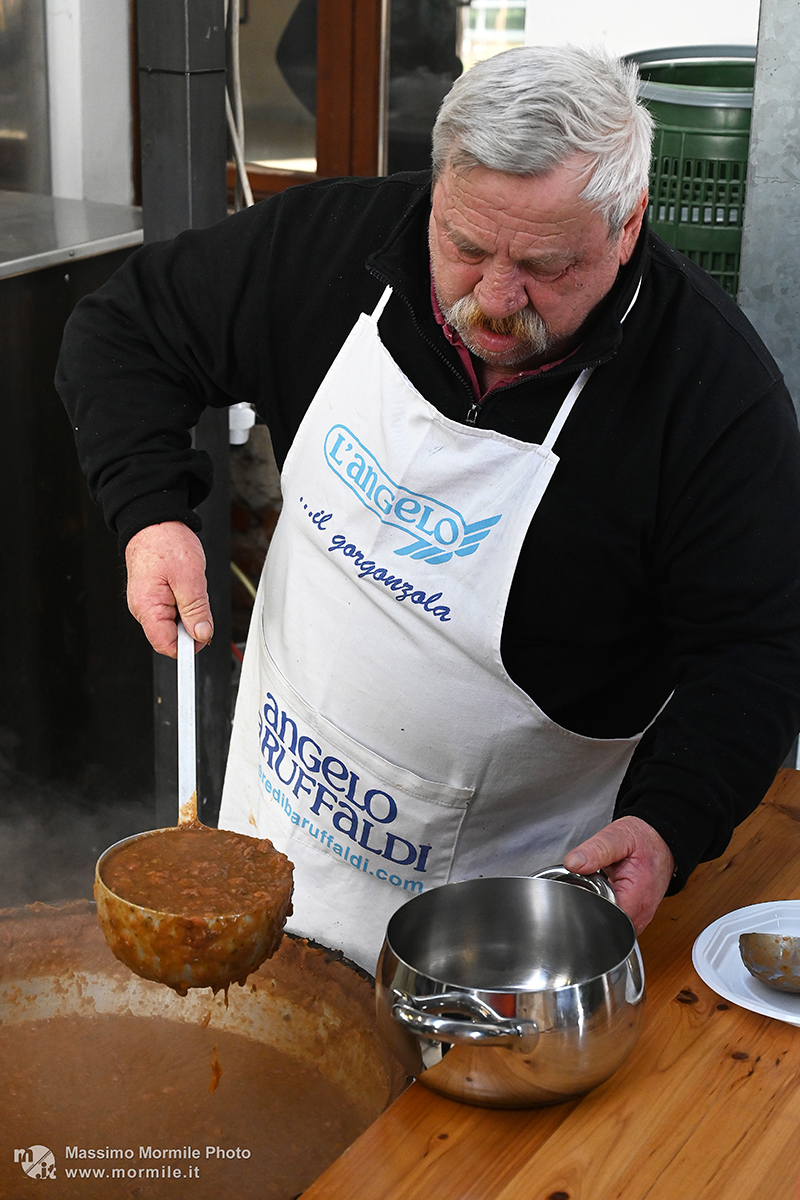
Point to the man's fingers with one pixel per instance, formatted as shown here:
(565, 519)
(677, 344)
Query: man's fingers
(158, 623)
(637, 860)
(195, 613)
(609, 845)
(203, 632)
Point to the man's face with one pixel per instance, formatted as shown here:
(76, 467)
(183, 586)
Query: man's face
(527, 259)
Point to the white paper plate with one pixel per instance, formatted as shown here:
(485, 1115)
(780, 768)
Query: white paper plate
(718, 962)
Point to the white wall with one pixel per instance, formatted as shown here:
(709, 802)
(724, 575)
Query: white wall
(624, 26)
(88, 68)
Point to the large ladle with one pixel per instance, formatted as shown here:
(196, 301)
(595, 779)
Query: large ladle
(190, 949)
(774, 958)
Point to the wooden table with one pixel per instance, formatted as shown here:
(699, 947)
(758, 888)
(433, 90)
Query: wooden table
(707, 1105)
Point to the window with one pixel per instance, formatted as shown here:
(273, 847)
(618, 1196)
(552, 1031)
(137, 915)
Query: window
(352, 87)
(313, 76)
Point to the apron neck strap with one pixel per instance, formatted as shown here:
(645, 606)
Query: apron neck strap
(566, 407)
(375, 315)
(624, 316)
(578, 386)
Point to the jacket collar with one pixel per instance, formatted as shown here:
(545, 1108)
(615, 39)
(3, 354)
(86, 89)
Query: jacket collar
(404, 262)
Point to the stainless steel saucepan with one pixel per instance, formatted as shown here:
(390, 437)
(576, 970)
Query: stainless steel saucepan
(511, 992)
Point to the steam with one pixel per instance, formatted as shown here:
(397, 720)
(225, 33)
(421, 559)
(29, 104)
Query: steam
(51, 835)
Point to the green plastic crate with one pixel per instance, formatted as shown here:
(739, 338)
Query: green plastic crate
(701, 98)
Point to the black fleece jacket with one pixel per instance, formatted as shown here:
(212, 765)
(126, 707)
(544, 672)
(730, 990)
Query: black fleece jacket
(664, 560)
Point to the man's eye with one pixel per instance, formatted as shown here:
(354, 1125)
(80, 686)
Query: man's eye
(554, 276)
(469, 253)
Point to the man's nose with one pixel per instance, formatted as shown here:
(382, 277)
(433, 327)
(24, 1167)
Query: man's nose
(501, 290)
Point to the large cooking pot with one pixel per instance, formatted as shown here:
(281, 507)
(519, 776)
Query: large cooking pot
(215, 1088)
(512, 992)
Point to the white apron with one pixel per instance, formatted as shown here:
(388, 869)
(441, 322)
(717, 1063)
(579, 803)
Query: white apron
(378, 740)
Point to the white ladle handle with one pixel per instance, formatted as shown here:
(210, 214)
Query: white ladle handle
(187, 737)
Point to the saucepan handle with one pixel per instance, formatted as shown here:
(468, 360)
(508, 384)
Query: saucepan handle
(480, 1025)
(634, 984)
(597, 883)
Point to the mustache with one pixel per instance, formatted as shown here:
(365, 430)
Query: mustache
(466, 314)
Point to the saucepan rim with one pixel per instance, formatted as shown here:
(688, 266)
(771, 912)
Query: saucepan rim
(422, 977)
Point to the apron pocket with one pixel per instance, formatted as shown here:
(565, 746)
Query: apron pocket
(329, 794)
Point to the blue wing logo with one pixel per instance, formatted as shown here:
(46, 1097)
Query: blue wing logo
(437, 531)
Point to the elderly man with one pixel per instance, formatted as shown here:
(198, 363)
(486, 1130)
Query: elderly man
(534, 592)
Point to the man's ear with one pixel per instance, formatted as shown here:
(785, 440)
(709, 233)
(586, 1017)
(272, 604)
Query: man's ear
(631, 229)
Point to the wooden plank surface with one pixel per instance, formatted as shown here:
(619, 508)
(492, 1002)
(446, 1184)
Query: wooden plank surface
(707, 1105)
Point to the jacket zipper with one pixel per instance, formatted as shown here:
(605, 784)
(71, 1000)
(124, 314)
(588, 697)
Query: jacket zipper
(428, 341)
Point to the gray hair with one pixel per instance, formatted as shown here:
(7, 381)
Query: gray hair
(526, 111)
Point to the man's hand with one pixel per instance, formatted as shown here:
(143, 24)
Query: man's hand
(167, 578)
(638, 863)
